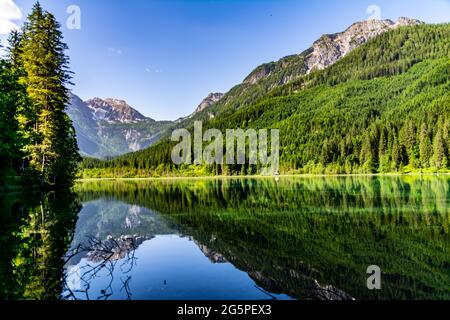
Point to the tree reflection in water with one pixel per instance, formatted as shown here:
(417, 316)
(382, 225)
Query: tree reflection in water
(101, 256)
(35, 233)
(306, 238)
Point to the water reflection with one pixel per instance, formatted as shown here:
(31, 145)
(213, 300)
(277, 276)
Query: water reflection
(303, 238)
(35, 233)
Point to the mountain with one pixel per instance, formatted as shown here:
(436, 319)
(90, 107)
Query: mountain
(326, 51)
(85, 127)
(209, 101)
(110, 127)
(383, 107)
(121, 129)
(115, 111)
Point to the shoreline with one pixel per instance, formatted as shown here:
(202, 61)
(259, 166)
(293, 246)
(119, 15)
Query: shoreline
(15, 189)
(415, 174)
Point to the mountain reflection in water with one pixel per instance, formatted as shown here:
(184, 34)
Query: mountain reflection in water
(295, 238)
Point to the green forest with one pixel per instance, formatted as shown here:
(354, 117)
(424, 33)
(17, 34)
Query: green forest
(38, 143)
(384, 108)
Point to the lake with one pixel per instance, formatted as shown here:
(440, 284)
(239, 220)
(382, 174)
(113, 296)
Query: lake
(263, 238)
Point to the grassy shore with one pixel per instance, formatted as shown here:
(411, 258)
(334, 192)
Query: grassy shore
(15, 186)
(289, 175)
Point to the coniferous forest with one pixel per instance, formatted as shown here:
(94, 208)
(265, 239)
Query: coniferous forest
(38, 142)
(384, 108)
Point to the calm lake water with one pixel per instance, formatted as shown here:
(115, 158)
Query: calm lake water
(287, 238)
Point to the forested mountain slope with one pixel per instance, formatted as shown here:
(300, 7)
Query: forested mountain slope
(326, 51)
(385, 107)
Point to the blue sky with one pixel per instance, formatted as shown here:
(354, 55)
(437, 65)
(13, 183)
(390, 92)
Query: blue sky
(164, 56)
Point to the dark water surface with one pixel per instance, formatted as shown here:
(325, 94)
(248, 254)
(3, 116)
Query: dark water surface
(290, 238)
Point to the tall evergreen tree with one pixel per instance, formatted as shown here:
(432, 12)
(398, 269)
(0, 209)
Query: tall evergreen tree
(53, 151)
(382, 150)
(425, 147)
(408, 139)
(14, 50)
(439, 157)
(11, 98)
(24, 112)
(396, 155)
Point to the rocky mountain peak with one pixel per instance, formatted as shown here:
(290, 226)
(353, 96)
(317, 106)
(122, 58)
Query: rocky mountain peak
(110, 127)
(114, 110)
(332, 47)
(209, 101)
(403, 21)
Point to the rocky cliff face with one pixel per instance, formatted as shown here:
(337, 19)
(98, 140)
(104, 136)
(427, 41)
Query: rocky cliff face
(332, 47)
(209, 101)
(110, 127)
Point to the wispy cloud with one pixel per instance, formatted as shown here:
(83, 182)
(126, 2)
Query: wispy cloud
(116, 51)
(152, 70)
(7, 26)
(9, 11)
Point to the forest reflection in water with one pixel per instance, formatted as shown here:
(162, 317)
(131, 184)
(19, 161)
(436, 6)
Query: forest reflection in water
(302, 238)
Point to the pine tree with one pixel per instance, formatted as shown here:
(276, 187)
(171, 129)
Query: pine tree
(367, 158)
(11, 96)
(396, 155)
(53, 150)
(439, 157)
(24, 111)
(408, 139)
(14, 50)
(382, 150)
(425, 147)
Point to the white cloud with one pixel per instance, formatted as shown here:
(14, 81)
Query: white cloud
(152, 70)
(9, 11)
(116, 51)
(7, 26)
